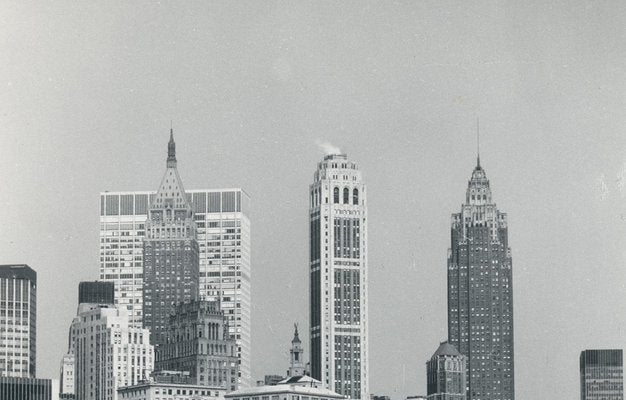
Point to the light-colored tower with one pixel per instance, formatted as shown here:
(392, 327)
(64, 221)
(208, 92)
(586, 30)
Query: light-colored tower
(18, 290)
(446, 373)
(338, 277)
(108, 352)
(480, 292)
(296, 367)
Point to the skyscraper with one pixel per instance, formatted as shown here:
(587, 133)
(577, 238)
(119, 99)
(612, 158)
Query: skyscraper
(601, 375)
(223, 235)
(445, 374)
(198, 341)
(480, 293)
(170, 252)
(18, 307)
(338, 277)
(90, 295)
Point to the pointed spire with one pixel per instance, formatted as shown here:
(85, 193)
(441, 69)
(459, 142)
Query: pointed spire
(296, 338)
(477, 142)
(171, 151)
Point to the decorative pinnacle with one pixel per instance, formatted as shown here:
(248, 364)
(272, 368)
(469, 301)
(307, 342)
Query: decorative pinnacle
(171, 150)
(295, 334)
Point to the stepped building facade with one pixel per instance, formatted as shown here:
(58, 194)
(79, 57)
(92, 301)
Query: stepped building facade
(480, 293)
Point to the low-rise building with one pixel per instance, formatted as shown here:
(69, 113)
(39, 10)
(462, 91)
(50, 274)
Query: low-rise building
(169, 391)
(293, 388)
(14, 388)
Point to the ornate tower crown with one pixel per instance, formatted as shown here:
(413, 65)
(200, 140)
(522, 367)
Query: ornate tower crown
(171, 193)
(478, 191)
(171, 151)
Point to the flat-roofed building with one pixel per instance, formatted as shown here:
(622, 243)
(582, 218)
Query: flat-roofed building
(15, 388)
(18, 308)
(169, 391)
(602, 375)
(97, 292)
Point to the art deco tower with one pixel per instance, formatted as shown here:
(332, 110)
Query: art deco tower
(338, 277)
(480, 293)
(170, 252)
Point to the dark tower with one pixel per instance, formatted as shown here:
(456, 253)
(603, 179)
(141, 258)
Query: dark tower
(170, 252)
(96, 292)
(480, 293)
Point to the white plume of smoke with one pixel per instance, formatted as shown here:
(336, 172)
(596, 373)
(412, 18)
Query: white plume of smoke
(328, 148)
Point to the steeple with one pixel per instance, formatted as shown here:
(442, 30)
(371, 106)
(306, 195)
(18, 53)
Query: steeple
(171, 193)
(297, 363)
(296, 339)
(171, 151)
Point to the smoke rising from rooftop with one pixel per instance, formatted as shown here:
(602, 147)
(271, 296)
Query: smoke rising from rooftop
(328, 148)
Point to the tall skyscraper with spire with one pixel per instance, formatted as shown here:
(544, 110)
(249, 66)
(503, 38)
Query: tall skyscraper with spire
(170, 252)
(480, 292)
(338, 277)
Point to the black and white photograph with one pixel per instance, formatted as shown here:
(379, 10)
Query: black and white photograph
(312, 200)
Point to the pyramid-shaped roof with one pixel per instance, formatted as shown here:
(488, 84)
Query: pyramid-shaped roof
(446, 349)
(171, 193)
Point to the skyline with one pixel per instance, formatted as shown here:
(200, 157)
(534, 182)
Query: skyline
(89, 112)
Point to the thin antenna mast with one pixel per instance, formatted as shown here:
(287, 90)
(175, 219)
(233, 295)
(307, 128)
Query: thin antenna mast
(478, 141)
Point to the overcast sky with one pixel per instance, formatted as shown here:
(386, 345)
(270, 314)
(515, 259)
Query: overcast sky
(254, 88)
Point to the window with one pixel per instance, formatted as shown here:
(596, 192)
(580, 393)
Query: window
(346, 196)
(336, 195)
(355, 197)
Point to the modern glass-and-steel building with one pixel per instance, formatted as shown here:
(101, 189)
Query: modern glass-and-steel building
(338, 277)
(601, 375)
(18, 316)
(480, 293)
(96, 292)
(13, 388)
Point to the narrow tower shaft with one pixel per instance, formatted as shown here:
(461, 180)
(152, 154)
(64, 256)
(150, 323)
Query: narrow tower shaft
(170, 252)
(338, 278)
(480, 293)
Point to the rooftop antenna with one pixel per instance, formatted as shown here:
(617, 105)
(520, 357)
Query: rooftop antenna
(478, 142)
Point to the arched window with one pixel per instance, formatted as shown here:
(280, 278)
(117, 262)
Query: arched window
(355, 197)
(346, 196)
(336, 195)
